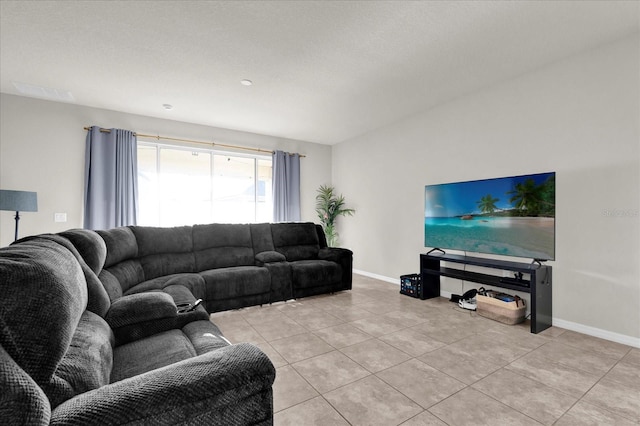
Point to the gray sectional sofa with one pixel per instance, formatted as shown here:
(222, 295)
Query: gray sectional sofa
(91, 330)
(228, 266)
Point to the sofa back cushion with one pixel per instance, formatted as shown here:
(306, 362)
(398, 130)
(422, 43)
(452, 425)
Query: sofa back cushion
(22, 402)
(164, 251)
(90, 245)
(121, 245)
(44, 293)
(121, 269)
(322, 238)
(261, 237)
(88, 362)
(297, 241)
(121, 277)
(221, 245)
(90, 250)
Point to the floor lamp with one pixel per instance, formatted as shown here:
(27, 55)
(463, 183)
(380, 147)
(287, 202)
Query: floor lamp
(18, 201)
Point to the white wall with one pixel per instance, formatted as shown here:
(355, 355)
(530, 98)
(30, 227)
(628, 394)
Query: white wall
(579, 118)
(42, 147)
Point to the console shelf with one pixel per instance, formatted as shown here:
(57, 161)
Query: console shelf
(538, 285)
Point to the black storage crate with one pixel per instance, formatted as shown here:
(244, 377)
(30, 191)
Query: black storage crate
(411, 285)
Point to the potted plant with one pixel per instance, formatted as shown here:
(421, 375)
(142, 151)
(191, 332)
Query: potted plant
(329, 206)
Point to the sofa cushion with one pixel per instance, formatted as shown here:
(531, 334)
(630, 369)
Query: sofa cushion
(180, 294)
(98, 300)
(297, 241)
(220, 245)
(261, 237)
(89, 359)
(90, 245)
(314, 273)
(159, 350)
(164, 251)
(205, 336)
(123, 275)
(157, 240)
(37, 334)
(229, 386)
(193, 282)
(121, 245)
(121, 269)
(236, 282)
(159, 265)
(111, 285)
(22, 402)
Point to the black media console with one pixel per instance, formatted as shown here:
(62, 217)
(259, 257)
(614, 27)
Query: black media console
(538, 282)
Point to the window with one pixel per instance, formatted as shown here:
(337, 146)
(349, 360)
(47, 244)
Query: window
(185, 186)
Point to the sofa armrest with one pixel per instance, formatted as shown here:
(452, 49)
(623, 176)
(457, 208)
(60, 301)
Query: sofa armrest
(269, 257)
(334, 254)
(140, 307)
(231, 385)
(342, 256)
(139, 315)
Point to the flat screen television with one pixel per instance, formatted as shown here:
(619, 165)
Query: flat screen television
(509, 216)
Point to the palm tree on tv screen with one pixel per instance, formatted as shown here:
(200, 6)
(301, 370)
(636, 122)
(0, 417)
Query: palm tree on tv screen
(535, 200)
(527, 197)
(487, 204)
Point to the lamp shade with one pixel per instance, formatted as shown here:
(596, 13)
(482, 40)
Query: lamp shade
(18, 201)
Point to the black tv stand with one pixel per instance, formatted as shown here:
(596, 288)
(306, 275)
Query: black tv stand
(538, 285)
(436, 249)
(514, 281)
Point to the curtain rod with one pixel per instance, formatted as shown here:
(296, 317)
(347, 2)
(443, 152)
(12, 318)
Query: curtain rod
(166, 138)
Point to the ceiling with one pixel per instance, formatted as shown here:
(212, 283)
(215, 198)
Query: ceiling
(323, 71)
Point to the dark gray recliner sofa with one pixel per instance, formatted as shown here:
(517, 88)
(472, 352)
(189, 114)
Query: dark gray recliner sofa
(69, 356)
(228, 266)
(90, 331)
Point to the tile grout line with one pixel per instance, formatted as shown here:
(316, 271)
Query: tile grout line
(440, 308)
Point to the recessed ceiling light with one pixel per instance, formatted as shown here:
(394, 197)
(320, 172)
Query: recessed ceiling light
(246, 82)
(167, 106)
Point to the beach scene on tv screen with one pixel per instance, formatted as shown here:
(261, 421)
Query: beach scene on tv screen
(511, 216)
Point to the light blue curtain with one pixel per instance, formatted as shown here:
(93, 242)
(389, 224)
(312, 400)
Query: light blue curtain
(286, 187)
(110, 179)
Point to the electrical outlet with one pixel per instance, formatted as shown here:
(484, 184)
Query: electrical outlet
(59, 217)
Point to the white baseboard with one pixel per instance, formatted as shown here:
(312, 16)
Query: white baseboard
(557, 322)
(395, 281)
(597, 332)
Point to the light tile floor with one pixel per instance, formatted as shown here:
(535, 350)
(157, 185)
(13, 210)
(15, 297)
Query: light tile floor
(371, 356)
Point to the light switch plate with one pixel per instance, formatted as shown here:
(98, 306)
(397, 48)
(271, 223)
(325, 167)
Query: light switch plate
(59, 217)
